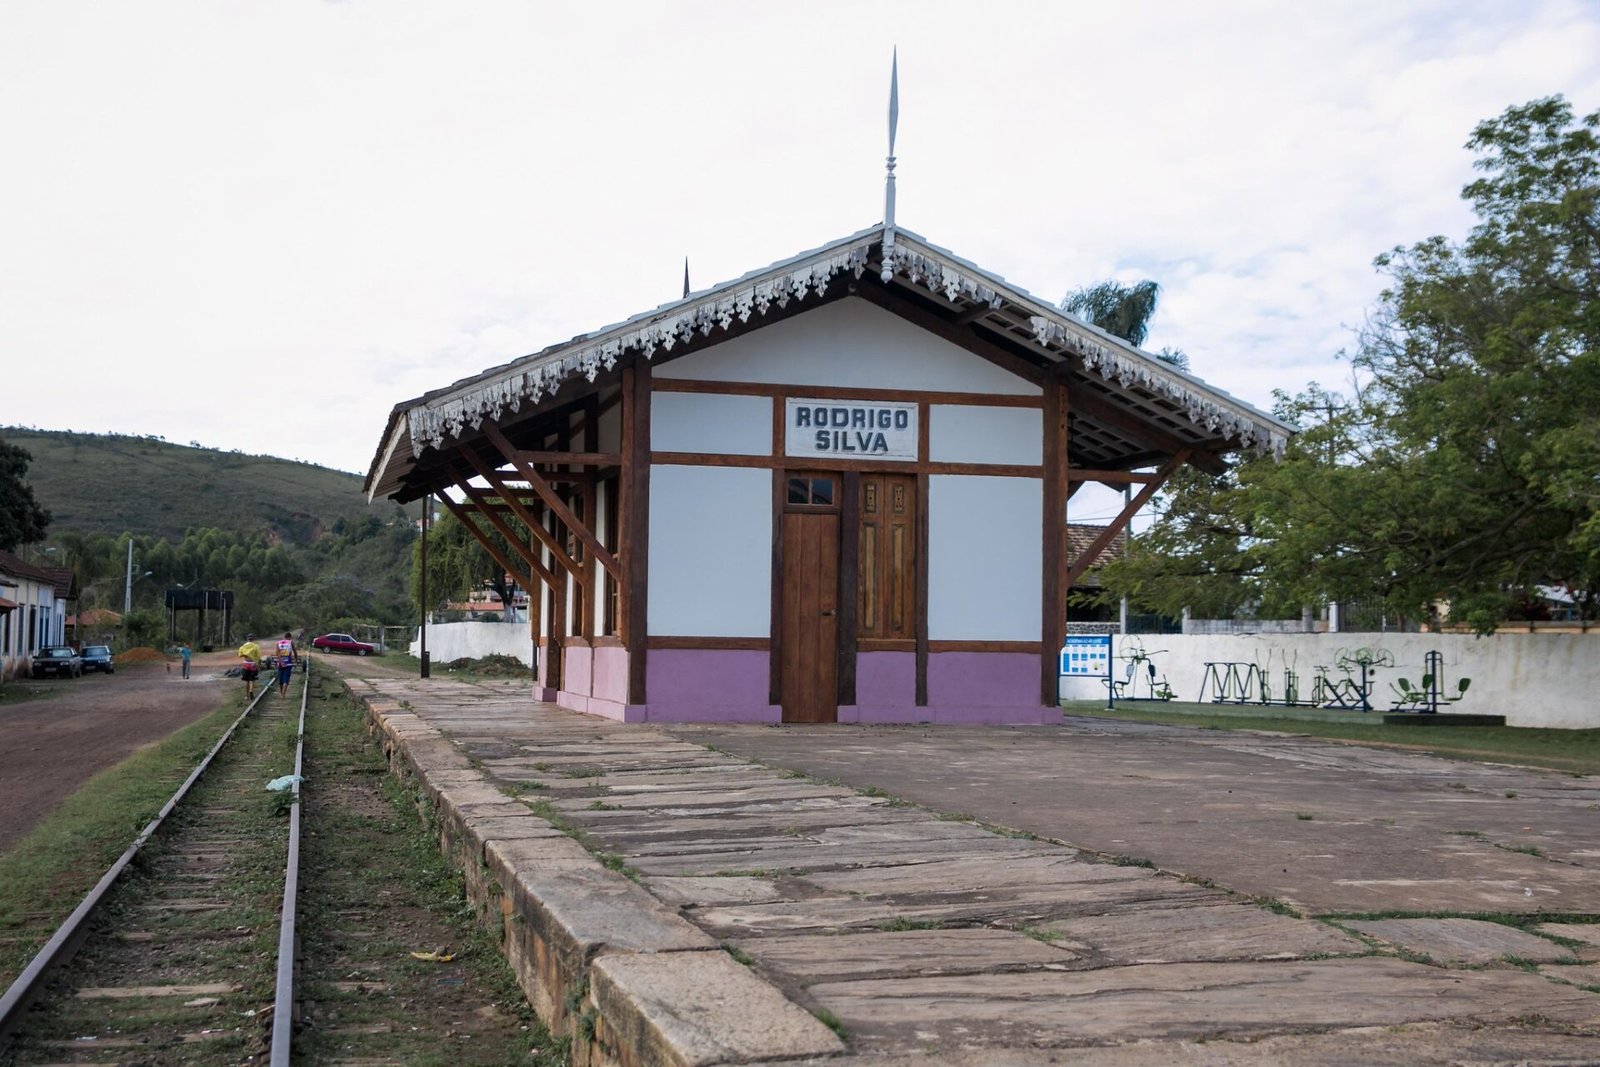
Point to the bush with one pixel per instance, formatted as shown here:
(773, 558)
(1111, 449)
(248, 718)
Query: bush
(141, 629)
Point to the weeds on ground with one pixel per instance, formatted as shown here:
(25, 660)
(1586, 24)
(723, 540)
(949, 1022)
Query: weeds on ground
(46, 873)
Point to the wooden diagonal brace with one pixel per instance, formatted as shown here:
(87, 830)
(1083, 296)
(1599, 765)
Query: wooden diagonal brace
(554, 502)
(548, 539)
(1109, 534)
(523, 578)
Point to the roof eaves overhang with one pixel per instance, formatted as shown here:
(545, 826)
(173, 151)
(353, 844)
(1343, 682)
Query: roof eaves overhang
(1127, 374)
(1064, 338)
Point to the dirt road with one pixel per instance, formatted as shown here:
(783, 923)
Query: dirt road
(50, 747)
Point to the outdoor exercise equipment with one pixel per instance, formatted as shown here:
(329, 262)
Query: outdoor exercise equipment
(1232, 682)
(1348, 692)
(1239, 682)
(1426, 698)
(1140, 667)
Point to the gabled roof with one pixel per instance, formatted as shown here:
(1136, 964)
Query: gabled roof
(1128, 407)
(59, 579)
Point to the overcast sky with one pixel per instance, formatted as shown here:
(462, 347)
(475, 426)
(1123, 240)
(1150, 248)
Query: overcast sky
(261, 225)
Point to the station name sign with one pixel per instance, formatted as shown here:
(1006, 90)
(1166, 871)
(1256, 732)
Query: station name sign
(850, 429)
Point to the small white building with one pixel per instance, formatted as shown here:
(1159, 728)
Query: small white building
(834, 489)
(33, 611)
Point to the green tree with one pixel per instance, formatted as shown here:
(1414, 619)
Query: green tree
(1123, 310)
(1465, 470)
(22, 520)
(458, 563)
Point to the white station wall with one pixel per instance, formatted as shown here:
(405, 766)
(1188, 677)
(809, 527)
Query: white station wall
(710, 551)
(715, 424)
(965, 433)
(984, 558)
(847, 344)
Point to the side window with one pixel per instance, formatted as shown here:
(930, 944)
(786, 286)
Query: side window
(813, 491)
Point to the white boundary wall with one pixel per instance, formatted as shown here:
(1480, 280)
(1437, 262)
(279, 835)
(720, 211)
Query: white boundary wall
(473, 640)
(1531, 679)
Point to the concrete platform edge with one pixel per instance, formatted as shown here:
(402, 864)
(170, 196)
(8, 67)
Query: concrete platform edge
(569, 926)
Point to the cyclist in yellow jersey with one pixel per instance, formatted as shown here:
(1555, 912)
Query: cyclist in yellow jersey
(250, 668)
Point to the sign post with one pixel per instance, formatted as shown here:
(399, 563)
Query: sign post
(1089, 656)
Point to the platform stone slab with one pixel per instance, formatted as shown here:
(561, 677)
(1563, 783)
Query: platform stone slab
(1582, 974)
(1035, 865)
(813, 957)
(1026, 905)
(702, 891)
(798, 853)
(940, 942)
(690, 1008)
(1422, 1045)
(1588, 933)
(512, 855)
(1188, 1001)
(1469, 941)
(1216, 932)
(577, 910)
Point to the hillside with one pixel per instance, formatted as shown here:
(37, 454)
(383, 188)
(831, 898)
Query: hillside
(296, 544)
(109, 484)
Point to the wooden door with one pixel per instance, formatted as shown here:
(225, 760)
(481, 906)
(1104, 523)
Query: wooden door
(809, 679)
(887, 605)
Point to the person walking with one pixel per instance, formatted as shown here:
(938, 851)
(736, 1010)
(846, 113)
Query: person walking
(286, 659)
(187, 653)
(250, 669)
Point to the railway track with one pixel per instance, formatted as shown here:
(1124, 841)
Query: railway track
(184, 951)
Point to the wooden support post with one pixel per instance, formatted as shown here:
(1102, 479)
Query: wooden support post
(535, 615)
(849, 584)
(425, 669)
(589, 501)
(924, 504)
(634, 517)
(1053, 603)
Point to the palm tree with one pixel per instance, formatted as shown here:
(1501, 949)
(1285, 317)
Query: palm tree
(1123, 310)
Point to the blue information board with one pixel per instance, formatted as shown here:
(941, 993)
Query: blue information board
(1087, 655)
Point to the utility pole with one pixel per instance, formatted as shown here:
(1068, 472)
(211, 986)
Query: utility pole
(127, 589)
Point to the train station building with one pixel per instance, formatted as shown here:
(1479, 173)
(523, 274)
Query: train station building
(835, 489)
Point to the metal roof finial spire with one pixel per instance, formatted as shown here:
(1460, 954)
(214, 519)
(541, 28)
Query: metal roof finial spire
(686, 277)
(888, 187)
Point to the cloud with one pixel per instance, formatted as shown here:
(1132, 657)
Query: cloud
(261, 227)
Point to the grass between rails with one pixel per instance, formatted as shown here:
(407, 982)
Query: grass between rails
(1573, 751)
(46, 874)
(200, 905)
(375, 889)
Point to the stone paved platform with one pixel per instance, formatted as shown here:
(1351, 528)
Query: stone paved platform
(665, 902)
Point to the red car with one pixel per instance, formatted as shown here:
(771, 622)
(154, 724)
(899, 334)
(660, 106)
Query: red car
(344, 643)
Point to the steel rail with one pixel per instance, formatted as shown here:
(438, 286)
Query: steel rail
(283, 996)
(69, 936)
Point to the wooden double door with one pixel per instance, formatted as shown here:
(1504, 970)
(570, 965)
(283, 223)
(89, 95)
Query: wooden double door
(848, 574)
